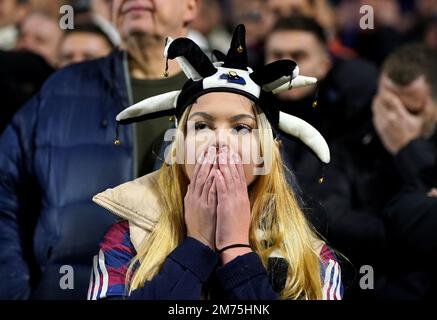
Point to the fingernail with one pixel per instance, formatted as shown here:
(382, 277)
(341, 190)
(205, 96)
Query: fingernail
(236, 158)
(200, 158)
(224, 148)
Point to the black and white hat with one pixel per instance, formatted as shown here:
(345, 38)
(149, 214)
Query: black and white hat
(231, 74)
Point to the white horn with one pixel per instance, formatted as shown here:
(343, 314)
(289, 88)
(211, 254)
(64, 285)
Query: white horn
(162, 102)
(186, 67)
(299, 81)
(305, 133)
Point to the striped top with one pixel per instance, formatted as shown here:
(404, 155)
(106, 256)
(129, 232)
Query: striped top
(110, 265)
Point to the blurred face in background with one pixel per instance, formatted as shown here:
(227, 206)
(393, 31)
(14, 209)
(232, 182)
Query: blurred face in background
(11, 12)
(102, 8)
(81, 46)
(285, 8)
(415, 97)
(255, 17)
(153, 18)
(304, 48)
(40, 34)
(208, 18)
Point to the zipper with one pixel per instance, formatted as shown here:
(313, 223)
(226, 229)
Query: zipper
(134, 127)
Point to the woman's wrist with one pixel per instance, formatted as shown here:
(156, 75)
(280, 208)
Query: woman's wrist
(231, 253)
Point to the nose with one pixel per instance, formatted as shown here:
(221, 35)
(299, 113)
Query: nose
(222, 139)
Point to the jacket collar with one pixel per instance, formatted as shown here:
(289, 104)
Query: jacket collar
(136, 201)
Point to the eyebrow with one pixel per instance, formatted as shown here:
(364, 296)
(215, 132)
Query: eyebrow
(202, 114)
(241, 116)
(211, 118)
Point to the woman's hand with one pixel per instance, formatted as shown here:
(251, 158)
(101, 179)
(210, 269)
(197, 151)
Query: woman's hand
(200, 202)
(233, 205)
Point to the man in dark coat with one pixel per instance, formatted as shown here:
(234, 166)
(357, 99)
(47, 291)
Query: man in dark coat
(343, 99)
(371, 165)
(59, 151)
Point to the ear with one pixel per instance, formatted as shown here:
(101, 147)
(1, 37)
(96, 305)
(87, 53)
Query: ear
(192, 8)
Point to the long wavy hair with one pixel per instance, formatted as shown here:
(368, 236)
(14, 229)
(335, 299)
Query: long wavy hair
(277, 222)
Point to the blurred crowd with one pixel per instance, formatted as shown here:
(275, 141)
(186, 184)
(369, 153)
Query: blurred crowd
(375, 103)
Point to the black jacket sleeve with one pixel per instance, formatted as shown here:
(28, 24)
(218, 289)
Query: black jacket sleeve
(245, 278)
(184, 272)
(414, 162)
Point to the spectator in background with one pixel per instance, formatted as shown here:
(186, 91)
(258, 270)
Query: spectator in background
(11, 13)
(411, 227)
(49, 6)
(371, 165)
(343, 100)
(375, 42)
(21, 76)
(101, 14)
(430, 34)
(40, 33)
(258, 21)
(59, 150)
(207, 30)
(84, 42)
(97, 12)
(420, 19)
(320, 10)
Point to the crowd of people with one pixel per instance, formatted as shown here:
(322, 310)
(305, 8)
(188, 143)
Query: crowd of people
(375, 103)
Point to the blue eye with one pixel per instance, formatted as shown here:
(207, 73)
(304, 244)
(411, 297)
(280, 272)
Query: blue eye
(241, 129)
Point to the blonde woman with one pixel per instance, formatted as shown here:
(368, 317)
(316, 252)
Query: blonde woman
(218, 220)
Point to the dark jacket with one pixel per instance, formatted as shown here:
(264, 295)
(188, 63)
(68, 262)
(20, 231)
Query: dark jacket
(361, 181)
(343, 105)
(56, 153)
(411, 222)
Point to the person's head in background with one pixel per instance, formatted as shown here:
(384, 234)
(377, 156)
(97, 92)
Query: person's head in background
(152, 21)
(84, 42)
(303, 40)
(320, 10)
(285, 8)
(102, 8)
(405, 107)
(255, 17)
(40, 33)
(144, 25)
(12, 11)
(426, 8)
(209, 16)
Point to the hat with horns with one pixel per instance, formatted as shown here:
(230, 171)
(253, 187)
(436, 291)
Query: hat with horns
(230, 74)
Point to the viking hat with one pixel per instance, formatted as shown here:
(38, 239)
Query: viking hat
(231, 74)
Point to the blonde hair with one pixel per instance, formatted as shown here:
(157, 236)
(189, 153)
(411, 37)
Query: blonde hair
(275, 214)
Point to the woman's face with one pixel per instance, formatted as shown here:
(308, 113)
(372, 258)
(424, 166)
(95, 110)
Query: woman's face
(223, 119)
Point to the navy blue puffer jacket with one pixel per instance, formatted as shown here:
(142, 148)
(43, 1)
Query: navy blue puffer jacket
(58, 152)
